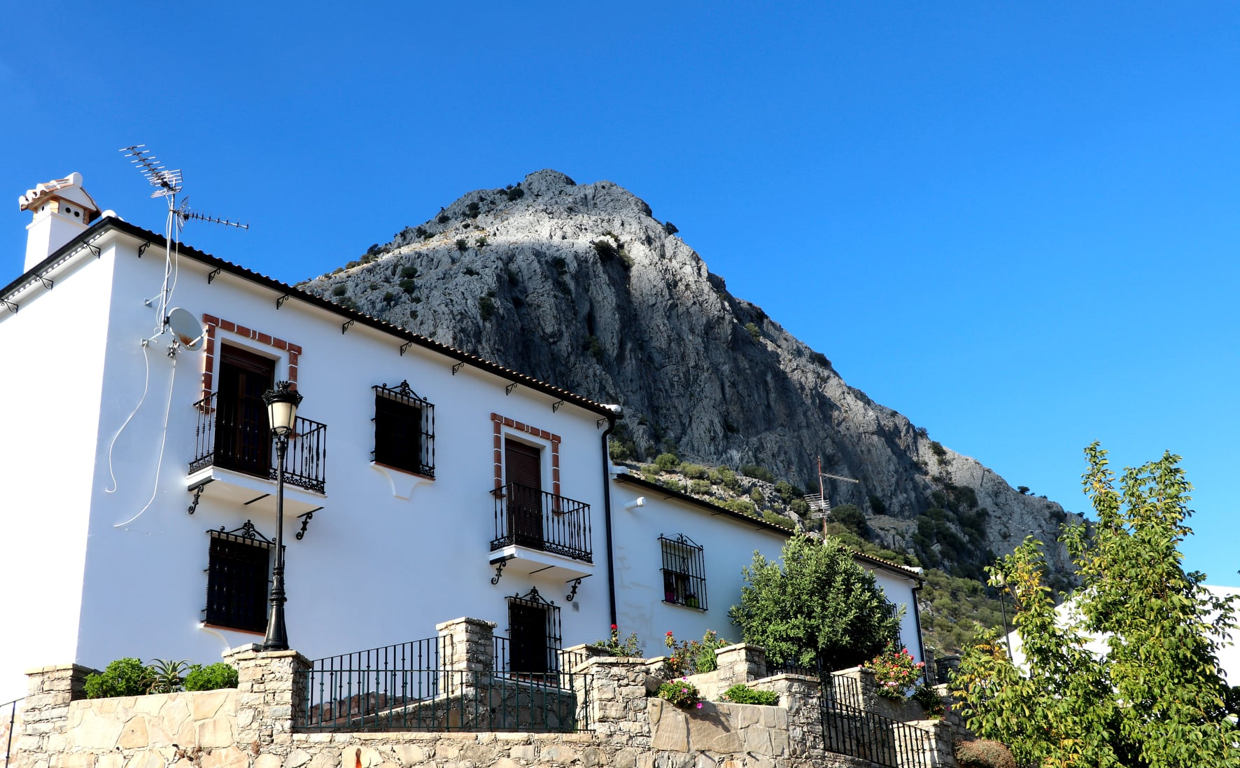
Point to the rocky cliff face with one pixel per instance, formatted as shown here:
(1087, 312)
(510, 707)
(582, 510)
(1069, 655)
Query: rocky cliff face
(579, 285)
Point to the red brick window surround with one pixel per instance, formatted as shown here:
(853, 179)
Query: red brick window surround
(498, 423)
(212, 322)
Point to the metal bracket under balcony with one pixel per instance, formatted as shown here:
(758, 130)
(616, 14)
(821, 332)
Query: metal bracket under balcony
(538, 532)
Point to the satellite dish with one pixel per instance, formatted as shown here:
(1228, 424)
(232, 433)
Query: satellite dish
(186, 328)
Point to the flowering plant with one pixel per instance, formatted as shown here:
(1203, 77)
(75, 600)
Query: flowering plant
(895, 672)
(681, 693)
(691, 656)
(630, 646)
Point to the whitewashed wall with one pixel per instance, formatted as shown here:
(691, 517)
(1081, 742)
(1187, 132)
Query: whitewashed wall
(53, 365)
(372, 569)
(728, 545)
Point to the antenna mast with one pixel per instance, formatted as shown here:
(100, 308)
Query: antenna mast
(820, 505)
(168, 184)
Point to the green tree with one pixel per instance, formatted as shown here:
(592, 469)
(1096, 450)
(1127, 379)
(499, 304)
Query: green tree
(1155, 699)
(816, 603)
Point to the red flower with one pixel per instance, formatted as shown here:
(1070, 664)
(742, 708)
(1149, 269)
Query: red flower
(614, 627)
(669, 633)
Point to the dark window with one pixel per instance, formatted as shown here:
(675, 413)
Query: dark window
(404, 430)
(242, 439)
(684, 572)
(533, 635)
(237, 579)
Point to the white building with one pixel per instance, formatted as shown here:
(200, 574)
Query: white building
(423, 483)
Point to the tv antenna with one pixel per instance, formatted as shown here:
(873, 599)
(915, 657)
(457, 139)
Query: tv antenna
(819, 504)
(168, 184)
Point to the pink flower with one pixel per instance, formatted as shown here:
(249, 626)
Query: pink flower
(684, 690)
(699, 705)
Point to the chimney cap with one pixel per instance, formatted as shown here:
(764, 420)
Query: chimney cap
(68, 188)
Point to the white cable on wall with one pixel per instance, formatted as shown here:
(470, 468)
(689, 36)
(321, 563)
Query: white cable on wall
(146, 383)
(162, 440)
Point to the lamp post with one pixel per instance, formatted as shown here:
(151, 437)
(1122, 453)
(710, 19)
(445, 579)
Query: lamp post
(282, 405)
(1001, 583)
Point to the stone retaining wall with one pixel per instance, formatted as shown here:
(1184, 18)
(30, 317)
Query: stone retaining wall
(252, 726)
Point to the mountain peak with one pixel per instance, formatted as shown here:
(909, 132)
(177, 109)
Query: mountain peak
(578, 285)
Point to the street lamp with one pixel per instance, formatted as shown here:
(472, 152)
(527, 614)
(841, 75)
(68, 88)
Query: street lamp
(282, 405)
(1001, 583)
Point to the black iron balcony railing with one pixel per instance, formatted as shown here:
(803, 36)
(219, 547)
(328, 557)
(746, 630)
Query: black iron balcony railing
(233, 434)
(528, 517)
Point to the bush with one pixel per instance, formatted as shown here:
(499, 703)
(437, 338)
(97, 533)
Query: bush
(407, 285)
(340, 290)
(693, 471)
(743, 694)
(605, 249)
(461, 244)
(409, 271)
(389, 297)
(681, 693)
(481, 242)
(929, 700)
(877, 506)
(486, 307)
(756, 496)
(800, 506)
(753, 331)
(123, 677)
(983, 754)
(849, 620)
(516, 193)
(699, 487)
(596, 347)
(670, 228)
(666, 461)
(757, 473)
(211, 677)
(777, 519)
(693, 656)
(851, 517)
(629, 647)
(895, 672)
(473, 209)
(728, 478)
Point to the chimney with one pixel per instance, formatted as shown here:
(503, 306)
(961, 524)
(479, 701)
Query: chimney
(62, 210)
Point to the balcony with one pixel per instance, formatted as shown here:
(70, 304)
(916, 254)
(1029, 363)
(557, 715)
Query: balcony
(539, 532)
(234, 456)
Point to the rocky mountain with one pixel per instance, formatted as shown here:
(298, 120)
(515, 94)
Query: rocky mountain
(580, 285)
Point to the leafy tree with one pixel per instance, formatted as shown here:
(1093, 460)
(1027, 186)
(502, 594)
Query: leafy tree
(1155, 699)
(817, 604)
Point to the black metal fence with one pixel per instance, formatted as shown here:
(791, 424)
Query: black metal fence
(408, 687)
(231, 434)
(8, 722)
(528, 517)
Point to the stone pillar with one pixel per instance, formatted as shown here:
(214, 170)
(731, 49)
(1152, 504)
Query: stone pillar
(938, 745)
(801, 695)
(611, 694)
(467, 658)
(271, 690)
(45, 711)
(740, 663)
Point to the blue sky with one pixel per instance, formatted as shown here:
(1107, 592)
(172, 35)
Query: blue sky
(1016, 225)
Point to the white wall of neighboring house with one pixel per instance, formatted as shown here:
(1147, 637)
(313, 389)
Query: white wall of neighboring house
(53, 353)
(728, 546)
(1066, 614)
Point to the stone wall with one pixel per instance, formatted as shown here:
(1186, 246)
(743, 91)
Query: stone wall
(253, 726)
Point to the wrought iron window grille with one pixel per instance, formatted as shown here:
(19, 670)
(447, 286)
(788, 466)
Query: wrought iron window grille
(404, 429)
(238, 576)
(532, 648)
(684, 572)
